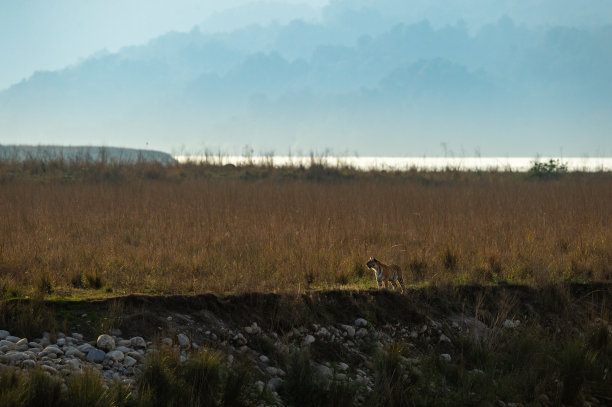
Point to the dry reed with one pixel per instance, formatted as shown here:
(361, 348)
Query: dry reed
(179, 229)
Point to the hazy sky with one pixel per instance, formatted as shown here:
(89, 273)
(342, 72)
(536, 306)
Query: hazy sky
(376, 77)
(48, 35)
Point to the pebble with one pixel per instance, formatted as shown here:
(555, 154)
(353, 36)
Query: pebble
(29, 363)
(275, 383)
(445, 357)
(360, 322)
(324, 371)
(50, 369)
(129, 361)
(4, 334)
(511, 324)
(444, 338)
(22, 345)
(74, 352)
(259, 386)
(105, 342)
(183, 340)
(116, 355)
(52, 349)
(85, 348)
(308, 339)
(138, 342)
(361, 333)
(136, 355)
(96, 355)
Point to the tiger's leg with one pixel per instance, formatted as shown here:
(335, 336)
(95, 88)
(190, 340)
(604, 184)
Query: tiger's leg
(380, 283)
(394, 284)
(401, 282)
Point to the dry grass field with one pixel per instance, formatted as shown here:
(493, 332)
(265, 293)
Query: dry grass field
(89, 228)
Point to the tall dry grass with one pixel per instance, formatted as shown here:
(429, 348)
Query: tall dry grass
(181, 229)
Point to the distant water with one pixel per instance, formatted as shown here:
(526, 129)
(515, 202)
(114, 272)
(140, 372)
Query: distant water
(405, 163)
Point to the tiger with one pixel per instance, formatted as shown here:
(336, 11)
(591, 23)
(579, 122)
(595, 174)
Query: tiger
(386, 273)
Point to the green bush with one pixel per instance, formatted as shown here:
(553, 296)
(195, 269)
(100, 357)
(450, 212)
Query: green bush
(547, 169)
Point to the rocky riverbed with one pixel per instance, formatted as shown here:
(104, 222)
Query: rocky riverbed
(343, 334)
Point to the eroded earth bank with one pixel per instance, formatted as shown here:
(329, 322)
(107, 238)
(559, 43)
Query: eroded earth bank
(469, 345)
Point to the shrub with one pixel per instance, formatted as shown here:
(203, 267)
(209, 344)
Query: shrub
(87, 390)
(546, 169)
(303, 386)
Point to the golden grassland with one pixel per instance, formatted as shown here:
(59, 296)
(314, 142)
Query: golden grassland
(191, 228)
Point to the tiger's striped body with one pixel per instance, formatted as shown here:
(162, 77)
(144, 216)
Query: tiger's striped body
(385, 274)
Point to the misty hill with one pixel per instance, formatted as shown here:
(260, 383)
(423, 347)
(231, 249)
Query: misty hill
(341, 82)
(21, 153)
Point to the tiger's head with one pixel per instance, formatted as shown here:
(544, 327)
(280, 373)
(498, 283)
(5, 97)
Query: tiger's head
(372, 262)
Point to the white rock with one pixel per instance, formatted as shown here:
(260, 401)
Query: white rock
(116, 356)
(52, 349)
(138, 342)
(105, 342)
(511, 324)
(74, 364)
(183, 340)
(343, 366)
(124, 342)
(123, 349)
(361, 333)
(322, 332)
(29, 363)
(129, 361)
(272, 371)
(445, 357)
(308, 339)
(75, 353)
(167, 341)
(14, 356)
(136, 355)
(323, 371)
(7, 345)
(22, 345)
(77, 336)
(61, 341)
(240, 339)
(4, 334)
(275, 383)
(95, 355)
(264, 358)
(444, 338)
(85, 348)
(13, 339)
(259, 385)
(350, 331)
(49, 369)
(360, 322)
